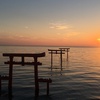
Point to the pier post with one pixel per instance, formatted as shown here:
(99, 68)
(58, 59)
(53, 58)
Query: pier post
(10, 75)
(36, 77)
(51, 59)
(61, 59)
(0, 84)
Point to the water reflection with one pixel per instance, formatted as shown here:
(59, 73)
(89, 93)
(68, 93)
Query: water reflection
(79, 78)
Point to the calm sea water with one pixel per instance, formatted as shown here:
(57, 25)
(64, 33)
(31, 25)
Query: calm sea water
(79, 79)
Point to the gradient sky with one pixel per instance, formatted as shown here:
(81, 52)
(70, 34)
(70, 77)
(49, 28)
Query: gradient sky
(50, 22)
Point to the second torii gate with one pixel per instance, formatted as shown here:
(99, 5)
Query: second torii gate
(51, 51)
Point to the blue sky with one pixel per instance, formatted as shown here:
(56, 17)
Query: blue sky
(49, 20)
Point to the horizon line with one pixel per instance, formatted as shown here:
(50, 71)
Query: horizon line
(50, 45)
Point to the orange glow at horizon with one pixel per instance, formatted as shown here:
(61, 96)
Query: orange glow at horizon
(98, 39)
(75, 41)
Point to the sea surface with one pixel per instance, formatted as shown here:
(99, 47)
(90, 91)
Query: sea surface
(79, 78)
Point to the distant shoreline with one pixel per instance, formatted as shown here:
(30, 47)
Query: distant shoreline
(53, 46)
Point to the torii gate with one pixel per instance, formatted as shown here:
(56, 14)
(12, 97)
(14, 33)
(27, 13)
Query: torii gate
(22, 62)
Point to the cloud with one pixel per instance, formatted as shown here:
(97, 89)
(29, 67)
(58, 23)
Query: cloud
(21, 37)
(59, 26)
(72, 34)
(15, 37)
(26, 27)
(69, 34)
